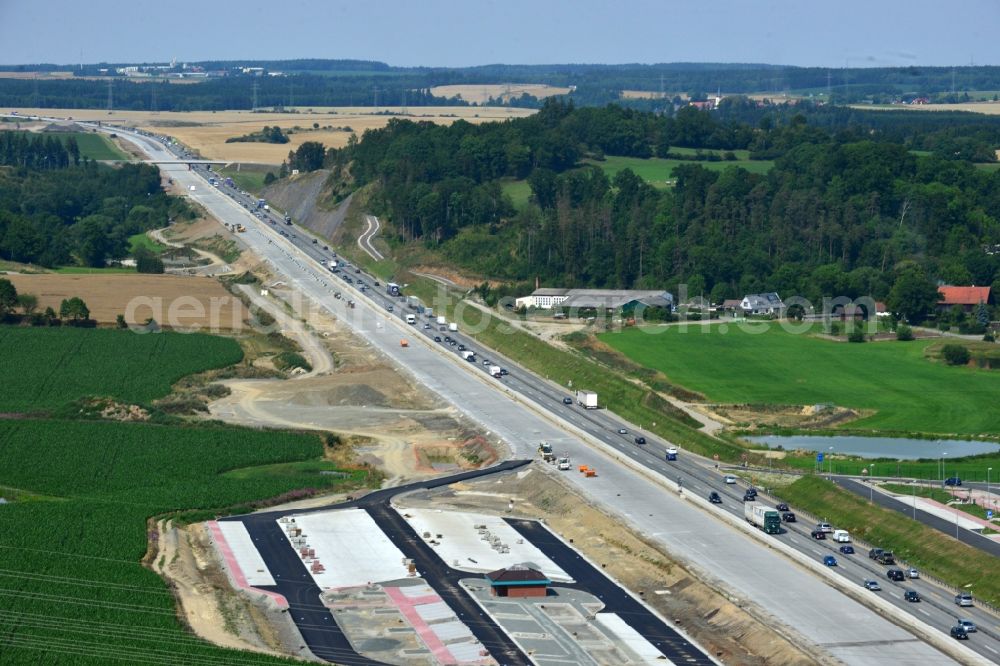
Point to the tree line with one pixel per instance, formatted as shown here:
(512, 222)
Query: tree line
(846, 210)
(80, 214)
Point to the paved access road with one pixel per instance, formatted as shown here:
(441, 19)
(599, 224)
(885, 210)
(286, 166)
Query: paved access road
(513, 409)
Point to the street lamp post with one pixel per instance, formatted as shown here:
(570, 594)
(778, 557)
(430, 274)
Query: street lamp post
(914, 486)
(830, 458)
(988, 498)
(871, 485)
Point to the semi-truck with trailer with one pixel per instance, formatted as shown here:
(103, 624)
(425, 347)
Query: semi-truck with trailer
(586, 399)
(392, 289)
(764, 517)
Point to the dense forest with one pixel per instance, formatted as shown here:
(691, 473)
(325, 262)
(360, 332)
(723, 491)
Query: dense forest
(849, 207)
(314, 82)
(56, 209)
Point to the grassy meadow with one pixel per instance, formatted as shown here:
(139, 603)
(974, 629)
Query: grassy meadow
(909, 392)
(659, 172)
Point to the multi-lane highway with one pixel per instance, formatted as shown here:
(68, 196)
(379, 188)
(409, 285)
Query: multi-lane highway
(522, 408)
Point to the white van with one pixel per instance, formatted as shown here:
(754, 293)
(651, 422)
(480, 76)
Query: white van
(411, 319)
(841, 536)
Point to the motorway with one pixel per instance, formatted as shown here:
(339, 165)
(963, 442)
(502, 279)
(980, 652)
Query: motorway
(523, 409)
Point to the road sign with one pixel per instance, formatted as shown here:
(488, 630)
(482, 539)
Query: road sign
(819, 457)
(989, 514)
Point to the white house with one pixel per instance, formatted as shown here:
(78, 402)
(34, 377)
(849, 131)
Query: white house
(762, 304)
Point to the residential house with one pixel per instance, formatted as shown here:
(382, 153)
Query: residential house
(968, 298)
(762, 304)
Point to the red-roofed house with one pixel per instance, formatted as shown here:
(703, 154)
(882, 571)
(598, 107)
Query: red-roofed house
(966, 297)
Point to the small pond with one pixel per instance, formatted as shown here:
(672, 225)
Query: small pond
(900, 448)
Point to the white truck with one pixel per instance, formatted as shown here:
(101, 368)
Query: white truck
(495, 371)
(411, 319)
(586, 399)
(453, 327)
(442, 322)
(467, 354)
(842, 536)
(563, 464)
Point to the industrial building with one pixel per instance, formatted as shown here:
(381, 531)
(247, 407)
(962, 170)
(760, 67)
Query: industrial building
(518, 581)
(607, 300)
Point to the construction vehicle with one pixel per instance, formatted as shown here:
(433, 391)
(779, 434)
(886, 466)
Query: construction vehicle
(240, 228)
(404, 343)
(545, 450)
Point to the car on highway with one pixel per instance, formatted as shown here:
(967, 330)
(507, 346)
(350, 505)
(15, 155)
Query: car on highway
(963, 599)
(830, 560)
(953, 481)
(824, 527)
(781, 507)
(968, 625)
(788, 516)
(452, 343)
(730, 479)
(640, 440)
(912, 573)
(847, 550)
(959, 632)
(447, 338)
(487, 362)
(437, 338)
(461, 348)
(567, 401)
(874, 553)
(504, 372)
(427, 327)
(622, 431)
(895, 574)
(872, 585)
(749, 497)
(818, 535)
(752, 491)
(911, 595)
(388, 307)
(314, 241)
(714, 498)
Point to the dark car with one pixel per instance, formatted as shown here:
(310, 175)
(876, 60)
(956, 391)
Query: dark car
(640, 440)
(959, 632)
(461, 348)
(752, 491)
(830, 560)
(788, 517)
(782, 507)
(911, 596)
(749, 497)
(377, 283)
(714, 498)
(504, 372)
(567, 401)
(819, 535)
(874, 553)
(953, 481)
(314, 241)
(437, 338)
(895, 574)
(847, 550)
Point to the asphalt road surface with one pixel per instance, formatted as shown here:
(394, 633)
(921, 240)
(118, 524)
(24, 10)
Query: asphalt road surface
(511, 408)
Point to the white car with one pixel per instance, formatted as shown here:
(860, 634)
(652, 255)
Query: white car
(912, 573)
(730, 479)
(563, 464)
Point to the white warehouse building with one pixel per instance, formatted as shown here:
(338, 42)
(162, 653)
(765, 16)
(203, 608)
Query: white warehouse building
(597, 299)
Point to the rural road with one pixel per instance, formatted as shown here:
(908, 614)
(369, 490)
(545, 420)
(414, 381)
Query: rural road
(372, 227)
(319, 356)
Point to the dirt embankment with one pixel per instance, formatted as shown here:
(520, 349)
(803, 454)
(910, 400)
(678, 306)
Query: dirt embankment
(306, 198)
(733, 633)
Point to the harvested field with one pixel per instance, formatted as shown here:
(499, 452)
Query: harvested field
(206, 131)
(480, 94)
(651, 94)
(989, 108)
(177, 301)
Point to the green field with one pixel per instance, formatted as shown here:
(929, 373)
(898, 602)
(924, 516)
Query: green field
(93, 146)
(72, 589)
(65, 364)
(910, 393)
(141, 240)
(518, 190)
(658, 172)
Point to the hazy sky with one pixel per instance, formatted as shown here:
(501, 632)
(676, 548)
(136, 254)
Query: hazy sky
(472, 32)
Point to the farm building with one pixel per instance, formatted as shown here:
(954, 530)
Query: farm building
(607, 300)
(967, 298)
(762, 304)
(518, 581)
